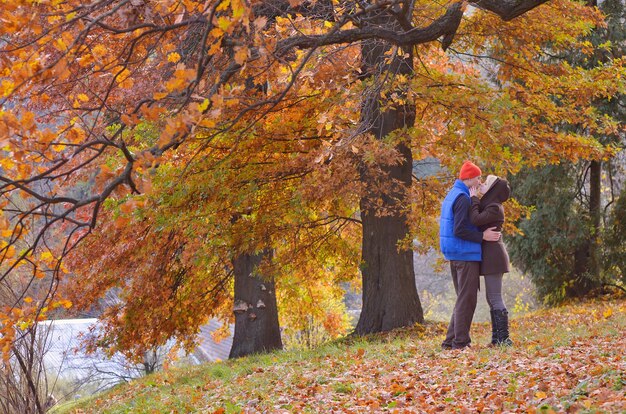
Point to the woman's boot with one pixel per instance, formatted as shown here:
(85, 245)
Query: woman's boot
(494, 336)
(501, 322)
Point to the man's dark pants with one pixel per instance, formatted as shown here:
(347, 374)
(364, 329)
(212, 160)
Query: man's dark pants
(466, 279)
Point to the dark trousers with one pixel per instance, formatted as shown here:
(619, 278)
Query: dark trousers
(466, 279)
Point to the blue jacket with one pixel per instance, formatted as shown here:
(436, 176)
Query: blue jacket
(452, 246)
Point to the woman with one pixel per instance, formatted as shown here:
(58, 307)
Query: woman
(487, 212)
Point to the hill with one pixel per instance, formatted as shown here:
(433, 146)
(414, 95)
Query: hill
(565, 359)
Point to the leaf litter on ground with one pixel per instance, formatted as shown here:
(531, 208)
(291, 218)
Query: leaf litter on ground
(565, 359)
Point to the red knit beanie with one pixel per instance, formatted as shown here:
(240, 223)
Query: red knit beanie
(469, 170)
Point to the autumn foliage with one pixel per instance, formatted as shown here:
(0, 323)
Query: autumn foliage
(169, 136)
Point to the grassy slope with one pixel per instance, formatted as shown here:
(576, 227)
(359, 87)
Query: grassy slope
(568, 359)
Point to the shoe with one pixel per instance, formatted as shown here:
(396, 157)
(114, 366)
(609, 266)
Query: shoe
(467, 346)
(500, 328)
(494, 337)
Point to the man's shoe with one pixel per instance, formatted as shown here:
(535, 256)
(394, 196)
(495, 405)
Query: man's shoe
(458, 348)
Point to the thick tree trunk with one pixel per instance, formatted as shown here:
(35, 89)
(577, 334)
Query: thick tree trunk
(256, 314)
(390, 298)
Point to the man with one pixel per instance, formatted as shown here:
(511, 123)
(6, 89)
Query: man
(461, 244)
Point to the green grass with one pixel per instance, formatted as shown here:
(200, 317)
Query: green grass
(566, 358)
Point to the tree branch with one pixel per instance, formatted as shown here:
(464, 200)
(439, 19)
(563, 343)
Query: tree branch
(445, 25)
(508, 9)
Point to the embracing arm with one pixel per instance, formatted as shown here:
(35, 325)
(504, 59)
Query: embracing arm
(462, 228)
(480, 218)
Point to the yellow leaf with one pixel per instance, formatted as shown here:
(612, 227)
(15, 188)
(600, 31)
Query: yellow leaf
(7, 163)
(224, 23)
(540, 394)
(123, 75)
(207, 123)
(216, 33)
(173, 57)
(99, 51)
(28, 299)
(238, 8)
(223, 6)
(6, 87)
(60, 45)
(83, 97)
(232, 102)
(607, 313)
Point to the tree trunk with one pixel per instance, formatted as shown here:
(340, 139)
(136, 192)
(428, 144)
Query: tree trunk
(595, 199)
(256, 313)
(586, 272)
(390, 298)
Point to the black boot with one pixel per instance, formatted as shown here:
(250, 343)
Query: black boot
(494, 337)
(500, 324)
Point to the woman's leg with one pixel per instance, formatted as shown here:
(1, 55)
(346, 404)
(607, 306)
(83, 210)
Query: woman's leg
(493, 291)
(499, 314)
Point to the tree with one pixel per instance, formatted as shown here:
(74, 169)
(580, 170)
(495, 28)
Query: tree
(24, 384)
(182, 255)
(83, 79)
(256, 330)
(556, 230)
(577, 262)
(615, 260)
